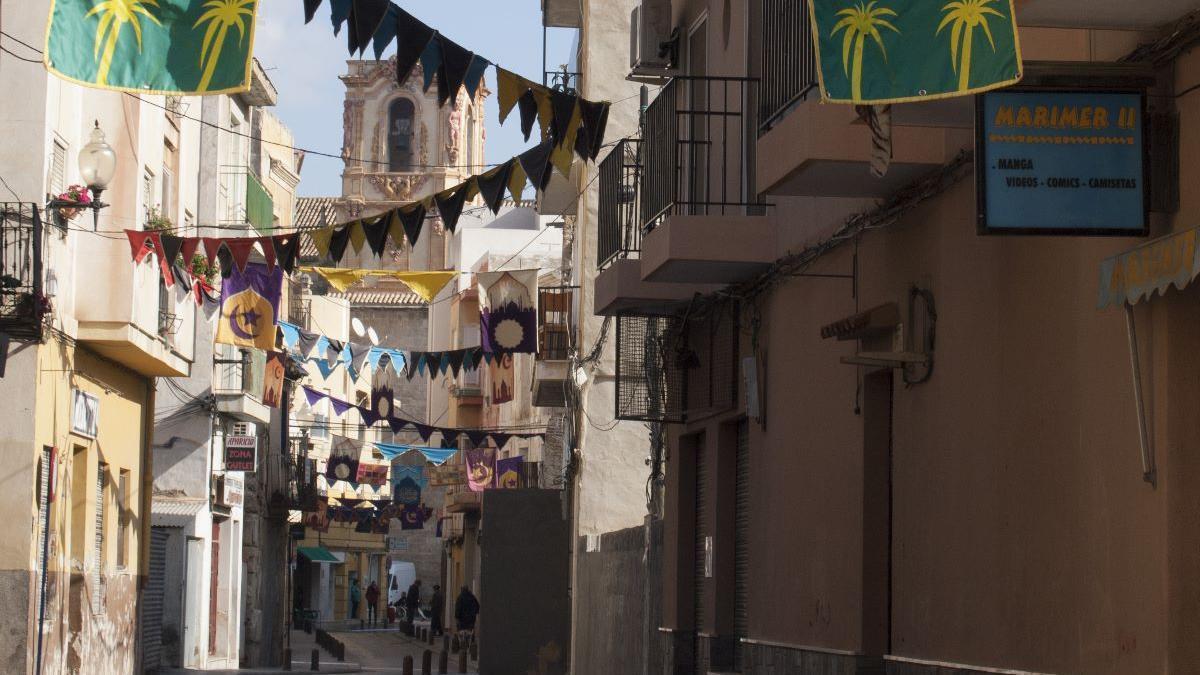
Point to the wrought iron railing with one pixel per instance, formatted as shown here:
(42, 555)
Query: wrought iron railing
(651, 382)
(556, 322)
(22, 303)
(562, 80)
(695, 157)
(787, 59)
(299, 303)
(238, 371)
(619, 234)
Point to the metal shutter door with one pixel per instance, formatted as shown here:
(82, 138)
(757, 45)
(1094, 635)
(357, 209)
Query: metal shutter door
(741, 543)
(98, 552)
(152, 601)
(702, 531)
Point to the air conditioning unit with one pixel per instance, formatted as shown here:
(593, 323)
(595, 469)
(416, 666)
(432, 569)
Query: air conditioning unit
(649, 31)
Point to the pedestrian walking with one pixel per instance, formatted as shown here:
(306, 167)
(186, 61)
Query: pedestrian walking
(372, 602)
(466, 608)
(413, 600)
(437, 607)
(355, 597)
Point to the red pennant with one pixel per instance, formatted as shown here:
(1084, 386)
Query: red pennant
(240, 248)
(197, 293)
(267, 244)
(211, 246)
(188, 250)
(137, 244)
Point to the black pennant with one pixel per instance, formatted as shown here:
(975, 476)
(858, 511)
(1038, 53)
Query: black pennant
(455, 62)
(412, 37)
(310, 9)
(339, 241)
(536, 163)
(339, 11)
(596, 130)
(412, 217)
(528, 107)
(386, 33)
(493, 183)
(287, 249)
(456, 360)
(563, 106)
(376, 232)
(365, 18)
(450, 204)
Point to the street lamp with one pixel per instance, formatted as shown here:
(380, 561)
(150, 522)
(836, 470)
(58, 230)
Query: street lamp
(97, 164)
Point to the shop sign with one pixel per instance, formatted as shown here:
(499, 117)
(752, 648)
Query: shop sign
(1061, 162)
(233, 490)
(241, 453)
(85, 414)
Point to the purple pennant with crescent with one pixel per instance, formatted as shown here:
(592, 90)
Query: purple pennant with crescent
(250, 307)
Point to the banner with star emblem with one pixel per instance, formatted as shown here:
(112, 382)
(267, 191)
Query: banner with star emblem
(153, 46)
(508, 311)
(509, 471)
(250, 307)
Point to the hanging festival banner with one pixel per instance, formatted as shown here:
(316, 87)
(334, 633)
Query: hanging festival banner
(343, 460)
(509, 471)
(412, 517)
(508, 309)
(406, 491)
(502, 377)
(250, 307)
(329, 354)
(375, 475)
(481, 469)
(280, 250)
(425, 284)
(447, 475)
(897, 52)
(153, 46)
(273, 379)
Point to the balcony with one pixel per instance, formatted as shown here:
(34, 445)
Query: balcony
(787, 60)
(463, 501)
(238, 383)
(22, 305)
(246, 201)
(299, 308)
(556, 338)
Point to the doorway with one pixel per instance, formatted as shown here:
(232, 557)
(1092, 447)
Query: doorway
(877, 513)
(193, 604)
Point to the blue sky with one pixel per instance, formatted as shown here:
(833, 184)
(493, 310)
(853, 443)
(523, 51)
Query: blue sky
(304, 63)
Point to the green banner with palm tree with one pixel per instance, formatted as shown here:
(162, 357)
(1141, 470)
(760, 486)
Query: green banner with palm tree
(153, 46)
(897, 51)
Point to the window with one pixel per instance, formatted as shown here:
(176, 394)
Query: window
(58, 168)
(169, 197)
(320, 426)
(148, 194)
(400, 135)
(98, 549)
(470, 138)
(123, 519)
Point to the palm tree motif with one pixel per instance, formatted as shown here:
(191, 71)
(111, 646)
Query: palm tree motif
(221, 16)
(114, 14)
(965, 15)
(860, 22)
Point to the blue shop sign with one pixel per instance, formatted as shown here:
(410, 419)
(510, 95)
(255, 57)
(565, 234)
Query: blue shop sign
(1061, 162)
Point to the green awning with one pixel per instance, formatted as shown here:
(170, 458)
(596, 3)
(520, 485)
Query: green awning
(317, 554)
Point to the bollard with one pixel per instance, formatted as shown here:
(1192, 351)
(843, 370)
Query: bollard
(408, 664)
(455, 645)
(316, 660)
(287, 659)
(445, 642)
(432, 638)
(462, 661)
(427, 663)
(474, 650)
(341, 651)
(362, 624)
(424, 635)
(443, 662)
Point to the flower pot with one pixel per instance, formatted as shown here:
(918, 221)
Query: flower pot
(69, 212)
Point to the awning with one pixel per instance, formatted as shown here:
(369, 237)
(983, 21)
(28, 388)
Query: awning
(1153, 266)
(317, 554)
(175, 512)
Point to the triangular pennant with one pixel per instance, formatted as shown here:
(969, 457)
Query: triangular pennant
(412, 218)
(456, 360)
(450, 204)
(510, 87)
(338, 241)
(395, 228)
(357, 237)
(181, 275)
(339, 406)
(397, 424)
(563, 107)
(287, 249)
(358, 355)
(188, 250)
(528, 107)
(560, 158)
(310, 9)
(138, 240)
(369, 418)
(589, 121)
(431, 60)
(443, 362)
(424, 432)
(492, 184)
(376, 232)
(212, 249)
(500, 439)
(477, 437)
(455, 62)
(267, 246)
(240, 249)
(545, 105)
(322, 240)
(596, 130)
(412, 37)
(473, 359)
(536, 163)
(516, 183)
(365, 17)
(339, 11)
(306, 342)
(169, 251)
(386, 33)
(474, 75)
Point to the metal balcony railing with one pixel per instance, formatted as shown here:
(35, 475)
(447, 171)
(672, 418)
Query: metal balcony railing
(22, 304)
(556, 322)
(299, 303)
(245, 201)
(562, 80)
(619, 233)
(788, 60)
(695, 157)
(238, 371)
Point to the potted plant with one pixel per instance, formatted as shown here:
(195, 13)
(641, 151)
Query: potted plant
(202, 270)
(157, 221)
(78, 195)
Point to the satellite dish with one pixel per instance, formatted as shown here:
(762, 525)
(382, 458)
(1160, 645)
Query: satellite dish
(357, 324)
(373, 337)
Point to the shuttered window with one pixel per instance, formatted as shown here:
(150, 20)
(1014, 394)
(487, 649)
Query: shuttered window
(58, 168)
(123, 519)
(98, 552)
(741, 539)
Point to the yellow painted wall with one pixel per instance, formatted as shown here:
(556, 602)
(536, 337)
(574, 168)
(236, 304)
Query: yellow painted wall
(358, 547)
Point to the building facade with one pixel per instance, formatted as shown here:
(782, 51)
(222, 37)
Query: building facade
(833, 502)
